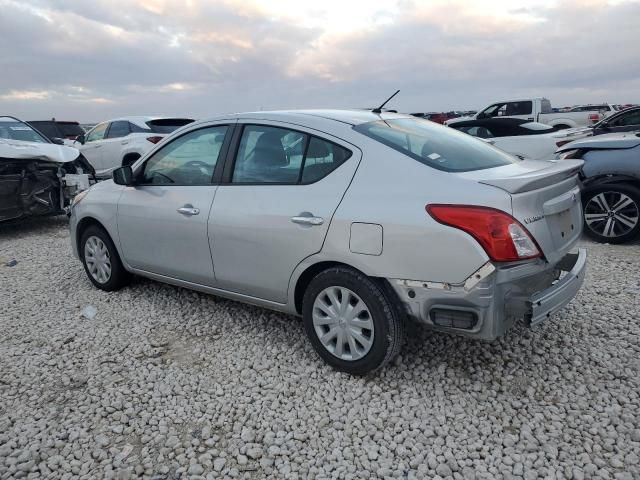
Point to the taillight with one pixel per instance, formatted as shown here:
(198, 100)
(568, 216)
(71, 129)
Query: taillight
(155, 139)
(594, 117)
(502, 236)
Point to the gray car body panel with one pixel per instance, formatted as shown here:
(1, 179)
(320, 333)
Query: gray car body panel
(376, 186)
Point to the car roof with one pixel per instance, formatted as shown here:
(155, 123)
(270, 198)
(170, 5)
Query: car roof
(350, 117)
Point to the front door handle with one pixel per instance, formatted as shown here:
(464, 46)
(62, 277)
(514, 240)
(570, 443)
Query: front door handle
(188, 210)
(307, 220)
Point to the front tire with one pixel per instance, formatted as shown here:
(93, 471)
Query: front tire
(352, 321)
(101, 260)
(612, 213)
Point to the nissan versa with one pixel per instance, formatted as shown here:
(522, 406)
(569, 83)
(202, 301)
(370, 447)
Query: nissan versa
(351, 219)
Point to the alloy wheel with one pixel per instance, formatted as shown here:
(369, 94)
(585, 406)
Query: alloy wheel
(611, 214)
(96, 256)
(343, 323)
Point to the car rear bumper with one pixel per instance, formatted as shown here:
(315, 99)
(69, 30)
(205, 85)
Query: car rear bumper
(503, 294)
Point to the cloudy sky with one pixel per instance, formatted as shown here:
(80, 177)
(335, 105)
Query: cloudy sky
(97, 59)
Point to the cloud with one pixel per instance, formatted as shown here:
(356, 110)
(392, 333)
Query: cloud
(198, 58)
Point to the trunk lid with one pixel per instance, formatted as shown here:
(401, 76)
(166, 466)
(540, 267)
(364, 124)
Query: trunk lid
(545, 198)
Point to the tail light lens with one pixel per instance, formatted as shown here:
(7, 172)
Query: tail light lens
(594, 117)
(502, 236)
(155, 139)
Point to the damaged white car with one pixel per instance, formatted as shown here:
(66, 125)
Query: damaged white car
(37, 177)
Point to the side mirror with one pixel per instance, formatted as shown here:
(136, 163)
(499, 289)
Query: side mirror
(123, 176)
(80, 139)
(57, 141)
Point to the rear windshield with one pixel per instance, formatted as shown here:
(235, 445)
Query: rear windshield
(70, 129)
(47, 128)
(439, 147)
(168, 125)
(13, 129)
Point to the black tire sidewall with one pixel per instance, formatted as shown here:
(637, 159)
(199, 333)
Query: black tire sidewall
(382, 310)
(118, 273)
(630, 191)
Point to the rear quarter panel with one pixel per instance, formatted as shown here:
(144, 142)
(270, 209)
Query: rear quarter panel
(392, 190)
(622, 162)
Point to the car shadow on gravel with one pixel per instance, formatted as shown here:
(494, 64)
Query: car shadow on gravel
(33, 225)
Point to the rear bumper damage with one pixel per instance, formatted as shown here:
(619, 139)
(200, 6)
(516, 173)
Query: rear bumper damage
(491, 300)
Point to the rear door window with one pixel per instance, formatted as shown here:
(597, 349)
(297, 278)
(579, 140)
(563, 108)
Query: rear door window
(118, 129)
(439, 147)
(274, 155)
(519, 108)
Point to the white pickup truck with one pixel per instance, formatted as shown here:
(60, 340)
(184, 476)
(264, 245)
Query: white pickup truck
(537, 110)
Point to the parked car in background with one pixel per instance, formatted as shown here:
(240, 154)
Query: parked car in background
(607, 108)
(122, 141)
(351, 219)
(627, 120)
(536, 110)
(56, 129)
(37, 177)
(522, 138)
(611, 184)
(433, 116)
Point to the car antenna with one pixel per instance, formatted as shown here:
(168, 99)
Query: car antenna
(379, 109)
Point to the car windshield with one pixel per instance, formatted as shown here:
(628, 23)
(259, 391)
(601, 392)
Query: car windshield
(439, 147)
(13, 129)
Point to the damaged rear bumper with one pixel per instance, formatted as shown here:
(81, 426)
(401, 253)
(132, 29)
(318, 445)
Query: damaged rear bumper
(494, 297)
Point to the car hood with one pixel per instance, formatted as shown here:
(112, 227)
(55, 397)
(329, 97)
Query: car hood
(608, 141)
(48, 152)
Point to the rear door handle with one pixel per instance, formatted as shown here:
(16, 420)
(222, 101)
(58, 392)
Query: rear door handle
(188, 210)
(307, 220)
(124, 142)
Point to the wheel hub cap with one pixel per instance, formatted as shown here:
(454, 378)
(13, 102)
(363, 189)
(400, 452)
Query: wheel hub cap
(611, 214)
(96, 256)
(343, 323)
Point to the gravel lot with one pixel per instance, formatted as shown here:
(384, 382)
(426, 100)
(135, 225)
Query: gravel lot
(167, 383)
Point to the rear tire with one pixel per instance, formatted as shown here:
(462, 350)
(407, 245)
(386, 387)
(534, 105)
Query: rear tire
(101, 260)
(605, 223)
(353, 322)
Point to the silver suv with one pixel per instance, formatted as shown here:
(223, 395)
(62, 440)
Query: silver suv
(351, 219)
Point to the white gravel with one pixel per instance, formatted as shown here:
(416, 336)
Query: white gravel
(166, 383)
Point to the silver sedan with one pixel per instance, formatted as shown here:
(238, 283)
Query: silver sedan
(351, 219)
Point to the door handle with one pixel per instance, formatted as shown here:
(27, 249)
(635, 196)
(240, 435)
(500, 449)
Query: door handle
(307, 220)
(188, 210)
(124, 142)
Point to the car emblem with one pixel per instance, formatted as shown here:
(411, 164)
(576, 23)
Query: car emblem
(535, 218)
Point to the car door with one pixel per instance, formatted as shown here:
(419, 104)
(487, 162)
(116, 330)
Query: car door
(92, 147)
(113, 143)
(275, 205)
(162, 220)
